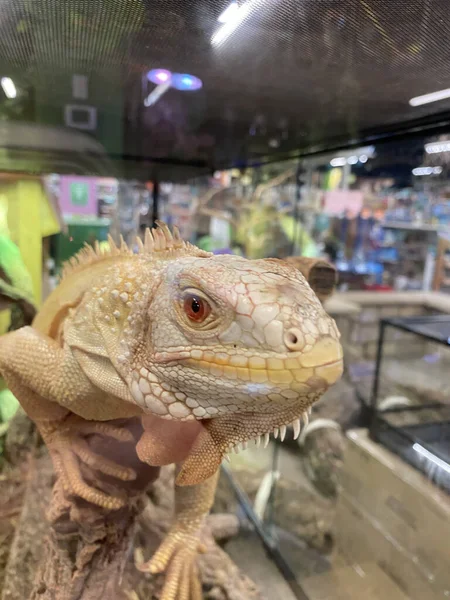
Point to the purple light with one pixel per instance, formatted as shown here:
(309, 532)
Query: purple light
(185, 82)
(159, 76)
(180, 81)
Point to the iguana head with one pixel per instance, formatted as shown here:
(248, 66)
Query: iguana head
(223, 351)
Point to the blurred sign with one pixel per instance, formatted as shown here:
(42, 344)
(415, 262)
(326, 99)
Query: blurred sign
(78, 196)
(338, 202)
(79, 193)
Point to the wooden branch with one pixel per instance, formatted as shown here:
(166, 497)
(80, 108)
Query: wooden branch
(210, 212)
(263, 187)
(78, 551)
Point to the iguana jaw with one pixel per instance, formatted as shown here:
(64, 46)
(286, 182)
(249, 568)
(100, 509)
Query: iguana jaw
(243, 408)
(200, 446)
(221, 435)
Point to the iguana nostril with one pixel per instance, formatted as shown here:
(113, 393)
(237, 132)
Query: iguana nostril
(294, 340)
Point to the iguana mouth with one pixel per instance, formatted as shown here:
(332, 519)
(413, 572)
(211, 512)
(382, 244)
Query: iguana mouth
(292, 369)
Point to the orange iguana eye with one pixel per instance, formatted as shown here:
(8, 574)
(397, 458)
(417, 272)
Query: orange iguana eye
(196, 308)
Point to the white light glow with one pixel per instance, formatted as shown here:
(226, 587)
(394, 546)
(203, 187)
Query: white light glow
(233, 22)
(431, 457)
(339, 161)
(8, 87)
(228, 13)
(352, 160)
(420, 171)
(156, 94)
(363, 158)
(437, 147)
(427, 98)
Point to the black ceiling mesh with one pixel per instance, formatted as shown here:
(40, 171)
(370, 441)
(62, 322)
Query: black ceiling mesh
(293, 74)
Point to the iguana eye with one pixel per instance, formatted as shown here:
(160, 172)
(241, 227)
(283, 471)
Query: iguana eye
(196, 308)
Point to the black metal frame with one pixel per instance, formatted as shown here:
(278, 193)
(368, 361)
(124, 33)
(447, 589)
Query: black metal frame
(381, 430)
(403, 323)
(269, 542)
(390, 435)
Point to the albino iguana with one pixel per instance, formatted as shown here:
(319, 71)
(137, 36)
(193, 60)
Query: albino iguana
(211, 352)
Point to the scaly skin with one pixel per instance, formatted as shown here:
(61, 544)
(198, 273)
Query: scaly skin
(211, 351)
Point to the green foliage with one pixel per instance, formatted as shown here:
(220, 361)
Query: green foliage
(8, 405)
(20, 285)
(8, 408)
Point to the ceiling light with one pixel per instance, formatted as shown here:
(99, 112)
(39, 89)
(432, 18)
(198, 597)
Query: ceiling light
(352, 160)
(363, 158)
(233, 22)
(437, 147)
(164, 80)
(159, 76)
(228, 13)
(156, 94)
(8, 87)
(427, 98)
(185, 82)
(420, 171)
(340, 161)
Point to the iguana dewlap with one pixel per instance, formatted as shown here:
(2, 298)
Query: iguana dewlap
(212, 351)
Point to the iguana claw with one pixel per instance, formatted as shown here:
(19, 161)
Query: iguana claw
(177, 555)
(67, 447)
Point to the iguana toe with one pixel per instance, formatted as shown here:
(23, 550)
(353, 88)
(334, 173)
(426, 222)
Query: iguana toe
(73, 482)
(96, 461)
(177, 555)
(68, 448)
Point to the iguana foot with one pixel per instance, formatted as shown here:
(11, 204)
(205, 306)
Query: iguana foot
(177, 555)
(68, 447)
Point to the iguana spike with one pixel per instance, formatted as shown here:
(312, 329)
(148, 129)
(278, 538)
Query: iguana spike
(140, 245)
(166, 243)
(178, 241)
(112, 244)
(89, 250)
(169, 238)
(83, 255)
(123, 245)
(160, 240)
(149, 243)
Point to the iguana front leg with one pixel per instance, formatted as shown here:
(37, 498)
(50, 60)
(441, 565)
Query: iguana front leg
(57, 374)
(177, 554)
(35, 369)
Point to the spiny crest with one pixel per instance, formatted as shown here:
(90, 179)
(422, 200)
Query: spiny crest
(160, 242)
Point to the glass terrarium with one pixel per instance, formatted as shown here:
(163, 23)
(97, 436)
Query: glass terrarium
(411, 393)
